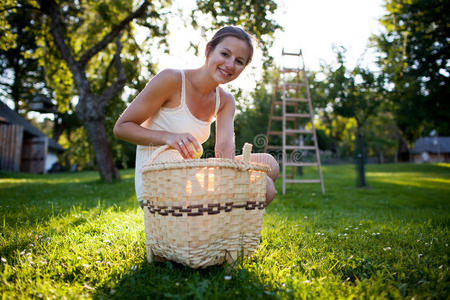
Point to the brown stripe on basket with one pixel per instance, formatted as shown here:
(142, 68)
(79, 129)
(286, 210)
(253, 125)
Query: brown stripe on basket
(200, 210)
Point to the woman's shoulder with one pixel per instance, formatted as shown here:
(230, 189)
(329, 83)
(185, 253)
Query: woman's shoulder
(164, 84)
(169, 76)
(226, 99)
(225, 96)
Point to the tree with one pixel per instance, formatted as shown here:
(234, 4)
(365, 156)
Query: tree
(323, 95)
(21, 77)
(414, 53)
(357, 94)
(81, 45)
(382, 136)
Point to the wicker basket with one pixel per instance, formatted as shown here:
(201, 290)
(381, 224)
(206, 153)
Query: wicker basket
(203, 212)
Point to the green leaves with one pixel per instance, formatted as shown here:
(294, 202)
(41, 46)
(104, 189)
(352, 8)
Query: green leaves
(253, 16)
(414, 54)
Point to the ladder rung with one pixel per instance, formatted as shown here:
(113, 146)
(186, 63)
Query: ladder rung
(291, 147)
(287, 103)
(296, 100)
(288, 70)
(300, 148)
(298, 115)
(291, 53)
(294, 84)
(302, 180)
(279, 133)
(299, 131)
(302, 164)
(274, 147)
(279, 118)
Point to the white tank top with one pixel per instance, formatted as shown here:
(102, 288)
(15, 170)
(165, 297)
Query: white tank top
(181, 120)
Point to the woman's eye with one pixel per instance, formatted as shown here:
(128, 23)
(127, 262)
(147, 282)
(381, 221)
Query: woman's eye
(225, 54)
(240, 62)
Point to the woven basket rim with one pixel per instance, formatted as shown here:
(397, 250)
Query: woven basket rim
(206, 162)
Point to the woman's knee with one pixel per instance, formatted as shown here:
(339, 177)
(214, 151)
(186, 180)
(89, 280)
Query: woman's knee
(270, 191)
(267, 159)
(274, 166)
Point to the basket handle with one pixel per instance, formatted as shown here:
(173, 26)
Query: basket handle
(157, 152)
(246, 151)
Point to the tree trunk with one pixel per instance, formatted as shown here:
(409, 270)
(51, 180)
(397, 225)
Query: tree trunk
(102, 150)
(360, 158)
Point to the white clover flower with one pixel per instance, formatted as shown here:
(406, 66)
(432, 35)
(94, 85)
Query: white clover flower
(387, 248)
(227, 277)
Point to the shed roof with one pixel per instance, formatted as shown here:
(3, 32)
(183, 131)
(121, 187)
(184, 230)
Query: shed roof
(11, 116)
(432, 145)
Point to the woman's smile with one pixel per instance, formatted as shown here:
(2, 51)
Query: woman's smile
(224, 72)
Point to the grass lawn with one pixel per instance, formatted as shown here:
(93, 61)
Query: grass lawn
(72, 236)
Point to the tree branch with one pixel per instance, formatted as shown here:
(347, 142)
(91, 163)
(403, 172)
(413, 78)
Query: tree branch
(112, 34)
(110, 65)
(49, 7)
(118, 84)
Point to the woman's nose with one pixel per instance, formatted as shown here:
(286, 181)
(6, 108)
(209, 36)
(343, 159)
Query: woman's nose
(229, 63)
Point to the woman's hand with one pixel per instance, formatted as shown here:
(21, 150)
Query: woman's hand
(184, 143)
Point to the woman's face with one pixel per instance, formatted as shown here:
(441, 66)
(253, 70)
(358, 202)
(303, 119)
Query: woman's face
(228, 59)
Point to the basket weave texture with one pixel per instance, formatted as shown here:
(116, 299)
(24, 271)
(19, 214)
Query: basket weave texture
(203, 212)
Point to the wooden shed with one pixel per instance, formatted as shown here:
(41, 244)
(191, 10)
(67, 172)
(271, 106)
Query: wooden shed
(432, 149)
(23, 147)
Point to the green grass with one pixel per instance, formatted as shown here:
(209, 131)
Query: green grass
(72, 236)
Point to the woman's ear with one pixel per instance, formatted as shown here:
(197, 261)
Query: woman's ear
(207, 50)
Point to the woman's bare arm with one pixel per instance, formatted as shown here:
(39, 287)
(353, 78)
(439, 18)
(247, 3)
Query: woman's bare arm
(225, 146)
(156, 93)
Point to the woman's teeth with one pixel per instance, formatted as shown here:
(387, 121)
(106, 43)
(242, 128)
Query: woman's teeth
(225, 73)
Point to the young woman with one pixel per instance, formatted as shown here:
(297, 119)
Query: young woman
(177, 107)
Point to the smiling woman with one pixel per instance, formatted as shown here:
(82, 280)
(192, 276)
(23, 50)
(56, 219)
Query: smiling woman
(176, 108)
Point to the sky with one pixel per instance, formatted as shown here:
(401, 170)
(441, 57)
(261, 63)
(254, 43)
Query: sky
(312, 26)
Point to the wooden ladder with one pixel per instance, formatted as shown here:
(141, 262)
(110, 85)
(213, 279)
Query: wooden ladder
(297, 121)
